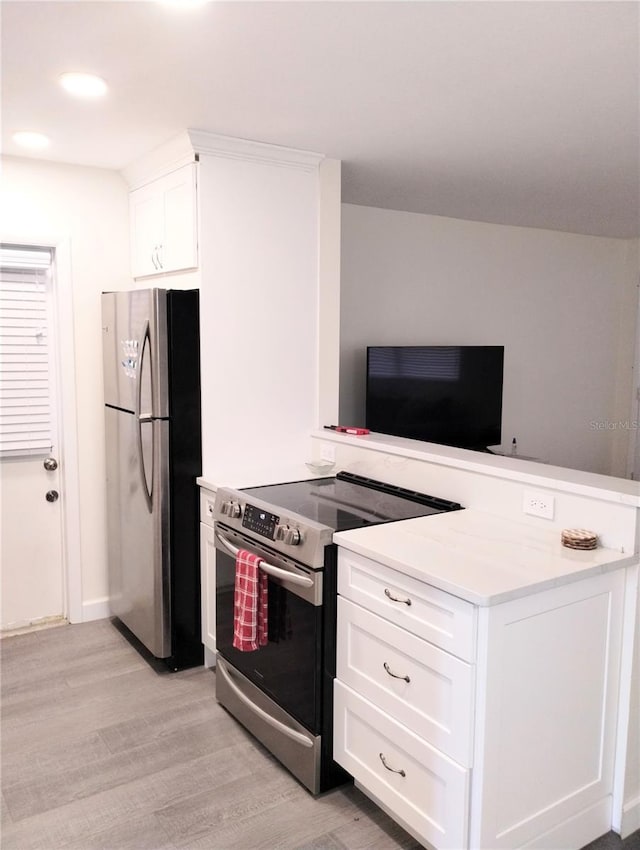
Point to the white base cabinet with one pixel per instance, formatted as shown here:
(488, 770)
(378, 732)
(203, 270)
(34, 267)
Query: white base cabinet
(510, 747)
(208, 576)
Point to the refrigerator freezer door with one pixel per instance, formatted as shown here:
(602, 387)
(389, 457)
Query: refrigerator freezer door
(138, 527)
(134, 343)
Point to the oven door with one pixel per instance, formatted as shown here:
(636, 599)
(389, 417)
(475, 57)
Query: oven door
(289, 668)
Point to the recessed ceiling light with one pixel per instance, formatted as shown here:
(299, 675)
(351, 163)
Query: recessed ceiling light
(83, 85)
(31, 140)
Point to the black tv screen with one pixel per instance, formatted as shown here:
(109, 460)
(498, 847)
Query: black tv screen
(447, 394)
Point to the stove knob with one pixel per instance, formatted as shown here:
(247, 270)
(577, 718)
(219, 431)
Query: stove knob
(288, 535)
(231, 509)
(293, 537)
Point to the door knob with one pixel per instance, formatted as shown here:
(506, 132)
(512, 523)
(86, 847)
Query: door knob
(50, 464)
(51, 495)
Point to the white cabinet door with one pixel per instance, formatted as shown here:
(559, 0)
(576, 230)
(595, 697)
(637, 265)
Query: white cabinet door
(146, 220)
(164, 232)
(208, 586)
(180, 242)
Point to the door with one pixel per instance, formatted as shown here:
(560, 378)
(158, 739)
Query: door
(289, 668)
(31, 572)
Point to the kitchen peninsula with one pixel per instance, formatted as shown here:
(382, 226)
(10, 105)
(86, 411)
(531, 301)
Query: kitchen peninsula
(524, 649)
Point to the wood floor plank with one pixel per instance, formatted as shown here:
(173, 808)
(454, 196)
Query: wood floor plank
(58, 787)
(100, 703)
(140, 833)
(98, 813)
(155, 726)
(58, 757)
(323, 842)
(206, 816)
(285, 820)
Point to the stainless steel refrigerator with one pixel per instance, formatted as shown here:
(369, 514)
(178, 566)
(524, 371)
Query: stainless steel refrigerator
(151, 357)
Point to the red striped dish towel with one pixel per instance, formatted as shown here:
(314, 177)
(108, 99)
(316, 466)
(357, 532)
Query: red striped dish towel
(249, 603)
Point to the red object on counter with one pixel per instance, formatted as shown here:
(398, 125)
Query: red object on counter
(347, 429)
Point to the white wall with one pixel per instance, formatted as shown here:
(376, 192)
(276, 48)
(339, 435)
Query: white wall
(48, 203)
(563, 305)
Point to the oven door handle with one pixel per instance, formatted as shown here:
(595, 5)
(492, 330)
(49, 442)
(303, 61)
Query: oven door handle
(267, 568)
(298, 737)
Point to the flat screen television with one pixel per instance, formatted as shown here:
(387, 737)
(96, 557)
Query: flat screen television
(447, 394)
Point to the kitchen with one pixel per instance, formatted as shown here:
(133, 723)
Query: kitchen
(46, 195)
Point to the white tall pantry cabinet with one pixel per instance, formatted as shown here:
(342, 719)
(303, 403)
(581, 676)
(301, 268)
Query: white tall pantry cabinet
(267, 264)
(258, 301)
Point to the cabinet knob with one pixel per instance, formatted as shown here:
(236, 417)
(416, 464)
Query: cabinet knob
(51, 495)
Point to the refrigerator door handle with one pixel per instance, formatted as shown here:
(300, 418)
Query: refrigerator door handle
(141, 418)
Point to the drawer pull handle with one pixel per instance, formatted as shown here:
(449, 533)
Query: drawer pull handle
(395, 675)
(392, 769)
(388, 593)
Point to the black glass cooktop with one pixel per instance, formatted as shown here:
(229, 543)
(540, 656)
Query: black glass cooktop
(349, 501)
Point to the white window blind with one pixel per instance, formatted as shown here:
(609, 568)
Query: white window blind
(26, 426)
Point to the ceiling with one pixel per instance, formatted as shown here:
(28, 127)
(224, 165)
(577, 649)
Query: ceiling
(521, 113)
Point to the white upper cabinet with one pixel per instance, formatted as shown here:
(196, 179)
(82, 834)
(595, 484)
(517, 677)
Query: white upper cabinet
(164, 226)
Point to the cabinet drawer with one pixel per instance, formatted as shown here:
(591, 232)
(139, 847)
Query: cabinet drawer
(432, 614)
(207, 500)
(376, 658)
(432, 797)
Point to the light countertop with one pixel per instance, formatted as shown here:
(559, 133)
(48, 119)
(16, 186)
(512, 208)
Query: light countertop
(255, 477)
(478, 556)
(516, 468)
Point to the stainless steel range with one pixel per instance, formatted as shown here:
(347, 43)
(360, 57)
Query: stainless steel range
(283, 692)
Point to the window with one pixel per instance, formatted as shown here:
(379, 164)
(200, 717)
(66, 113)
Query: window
(26, 357)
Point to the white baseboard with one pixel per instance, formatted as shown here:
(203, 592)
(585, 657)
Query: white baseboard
(95, 609)
(630, 818)
(22, 626)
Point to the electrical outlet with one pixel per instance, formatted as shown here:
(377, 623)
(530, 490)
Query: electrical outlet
(328, 453)
(538, 503)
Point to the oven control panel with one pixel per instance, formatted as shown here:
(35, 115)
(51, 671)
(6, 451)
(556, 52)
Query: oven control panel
(260, 522)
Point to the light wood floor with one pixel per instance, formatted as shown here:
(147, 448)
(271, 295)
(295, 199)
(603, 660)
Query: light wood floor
(100, 751)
